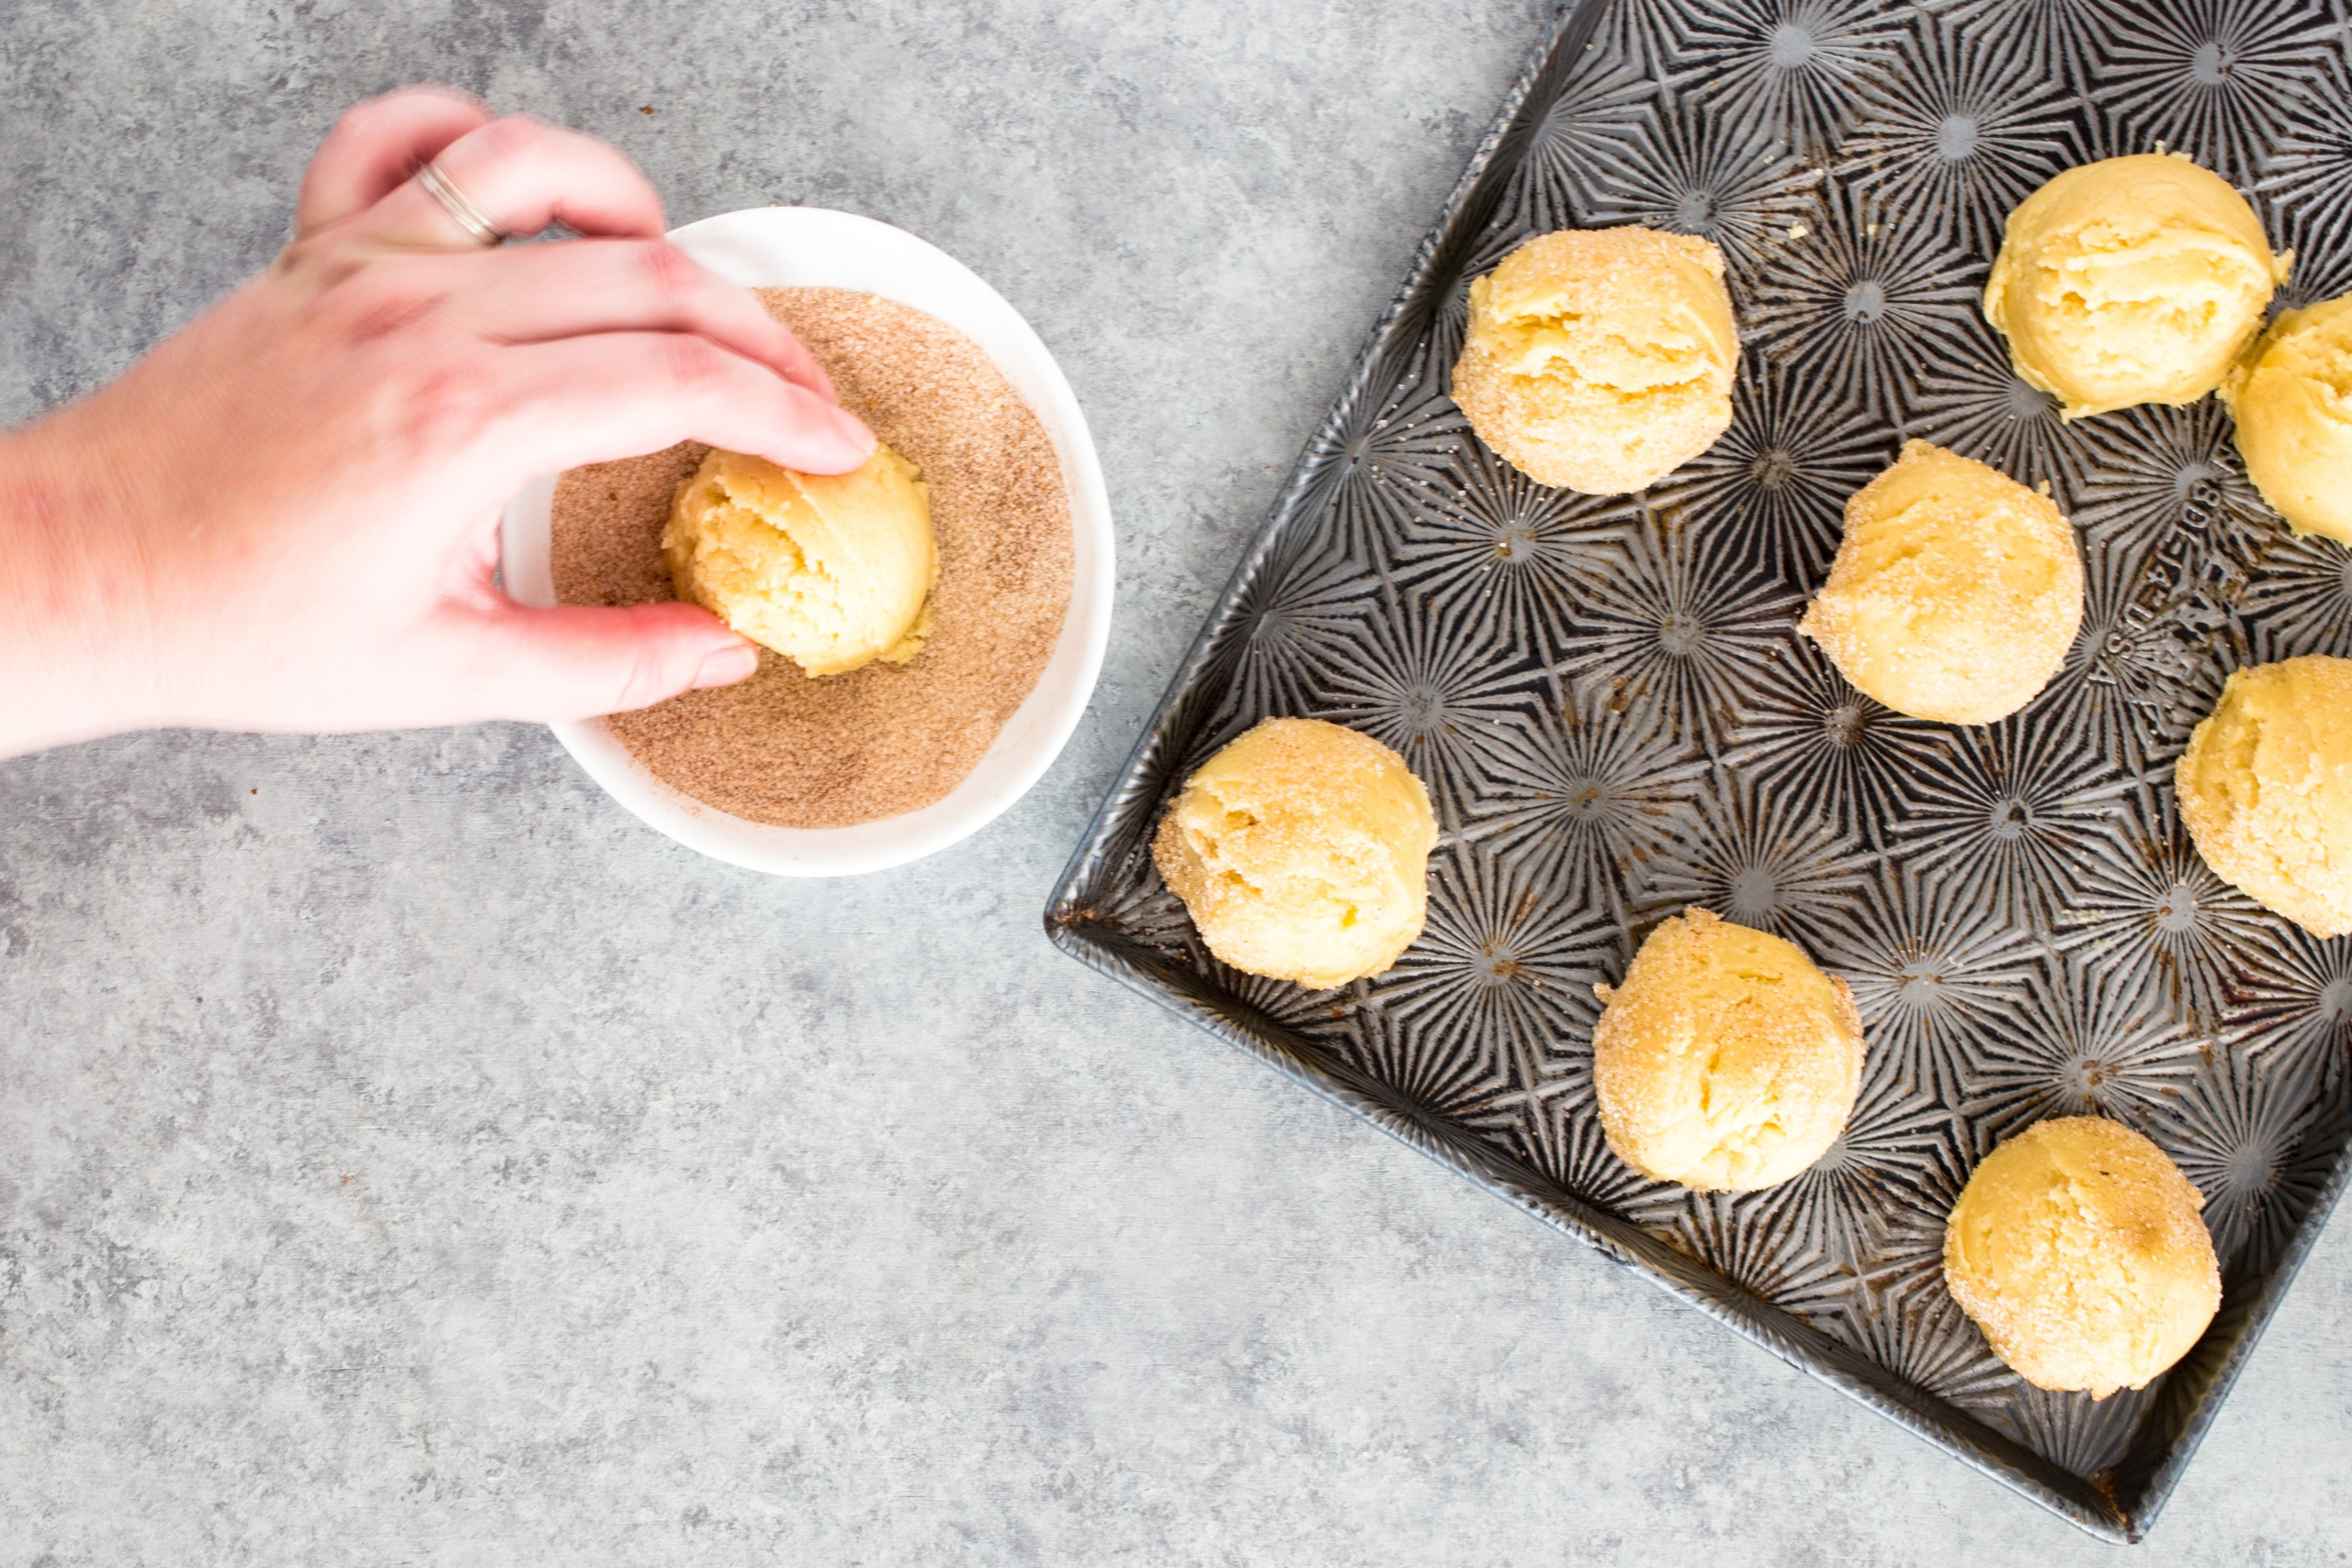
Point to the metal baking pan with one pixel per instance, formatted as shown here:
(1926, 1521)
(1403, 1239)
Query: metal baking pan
(1615, 717)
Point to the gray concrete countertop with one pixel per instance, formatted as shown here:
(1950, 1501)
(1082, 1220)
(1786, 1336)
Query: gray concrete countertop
(407, 1157)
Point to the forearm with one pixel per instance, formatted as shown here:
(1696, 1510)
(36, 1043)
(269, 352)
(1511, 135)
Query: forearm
(75, 654)
(284, 519)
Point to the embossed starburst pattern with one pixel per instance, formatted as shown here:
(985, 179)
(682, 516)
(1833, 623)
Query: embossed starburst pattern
(2308, 179)
(2011, 811)
(2222, 80)
(1497, 979)
(1919, 1332)
(1850, 1206)
(1949, 142)
(1930, 974)
(1810, 737)
(1690, 625)
(1782, 473)
(1758, 859)
(1730, 1232)
(1598, 793)
(2041, 41)
(1517, 552)
(2085, 1436)
(2234, 1130)
(2298, 1003)
(1787, 70)
(1864, 300)
(1297, 615)
(2149, 905)
(1589, 109)
(1377, 467)
(1502, 943)
(1617, 718)
(2084, 1039)
(1686, 170)
(2301, 600)
(1420, 681)
(1973, 401)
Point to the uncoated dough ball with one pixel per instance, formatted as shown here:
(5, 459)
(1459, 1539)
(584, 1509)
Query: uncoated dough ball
(1599, 359)
(1302, 851)
(2292, 397)
(2076, 1246)
(1726, 1061)
(1955, 593)
(2266, 788)
(834, 571)
(2131, 280)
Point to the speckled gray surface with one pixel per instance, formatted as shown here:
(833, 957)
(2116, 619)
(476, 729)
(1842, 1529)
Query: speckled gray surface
(406, 1157)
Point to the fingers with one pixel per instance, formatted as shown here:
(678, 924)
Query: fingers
(375, 146)
(575, 662)
(523, 175)
(538, 293)
(617, 394)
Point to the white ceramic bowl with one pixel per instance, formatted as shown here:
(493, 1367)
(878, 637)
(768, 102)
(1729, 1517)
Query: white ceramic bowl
(812, 247)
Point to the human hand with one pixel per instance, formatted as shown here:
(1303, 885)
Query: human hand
(286, 517)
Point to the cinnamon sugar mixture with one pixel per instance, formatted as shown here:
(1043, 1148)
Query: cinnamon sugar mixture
(825, 753)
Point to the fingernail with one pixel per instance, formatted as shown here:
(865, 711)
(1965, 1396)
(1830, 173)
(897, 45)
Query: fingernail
(727, 665)
(853, 430)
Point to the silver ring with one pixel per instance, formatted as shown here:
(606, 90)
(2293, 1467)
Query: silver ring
(460, 207)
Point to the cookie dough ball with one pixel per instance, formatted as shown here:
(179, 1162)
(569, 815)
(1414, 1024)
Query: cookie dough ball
(1955, 593)
(2292, 397)
(1599, 359)
(834, 571)
(1302, 851)
(2266, 789)
(2077, 1248)
(2131, 280)
(1726, 1061)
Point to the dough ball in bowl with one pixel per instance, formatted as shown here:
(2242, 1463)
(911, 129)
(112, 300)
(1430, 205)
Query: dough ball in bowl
(1955, 593)
(1599, 359)
(2077, 1247)
(2292, 397)
(2131, 280)
(831, 570)
(2266, 788)
(1726, 1061)
(1302, 853)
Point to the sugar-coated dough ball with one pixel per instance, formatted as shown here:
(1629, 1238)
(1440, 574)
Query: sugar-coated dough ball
(2266, 788)
(1726, 1061)
(1599, 359)
(2292, 397)
(1955, 593)
(2077, 1248)
(834, 571)
(2131, 280)
(1302, 851)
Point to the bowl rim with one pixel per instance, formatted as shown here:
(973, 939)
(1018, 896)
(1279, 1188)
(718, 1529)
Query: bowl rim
(820, 247)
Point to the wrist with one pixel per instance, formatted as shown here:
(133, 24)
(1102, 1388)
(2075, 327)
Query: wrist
(76, 654)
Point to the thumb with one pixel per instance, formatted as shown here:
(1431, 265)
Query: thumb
(574, 662)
